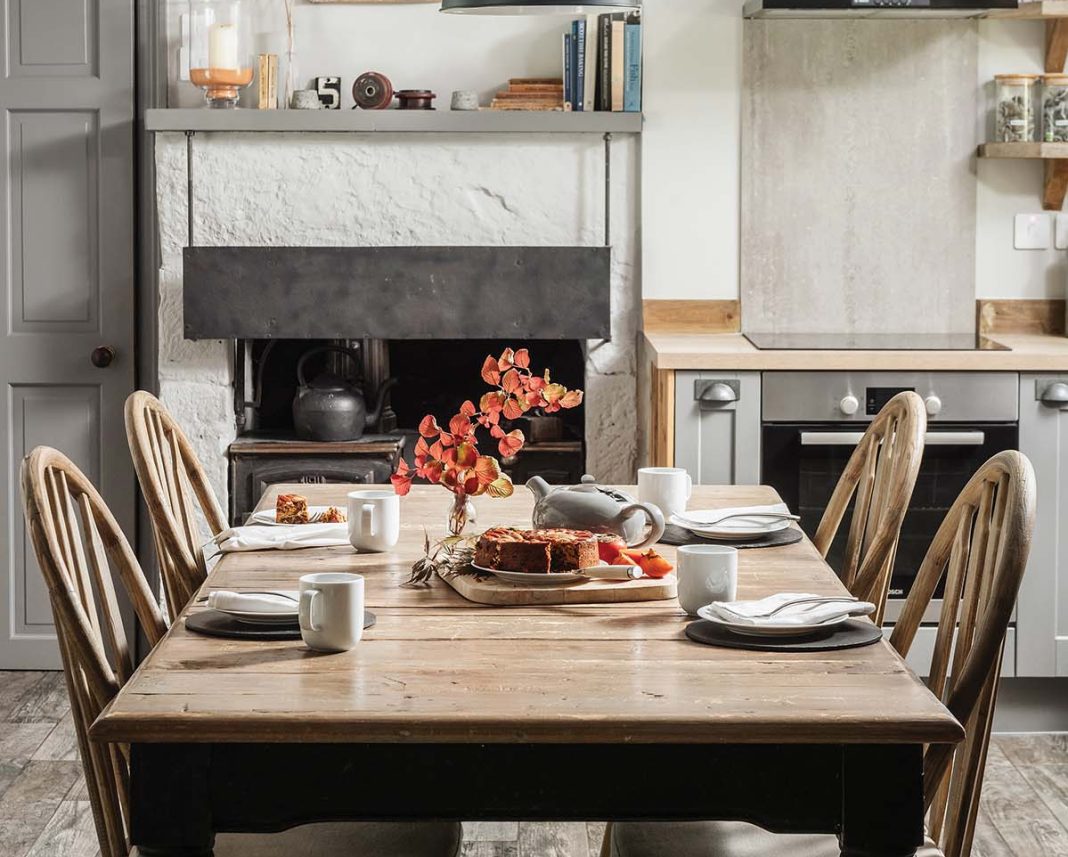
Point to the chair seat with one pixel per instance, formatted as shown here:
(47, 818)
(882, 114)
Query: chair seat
(724, 839)
(350, 839)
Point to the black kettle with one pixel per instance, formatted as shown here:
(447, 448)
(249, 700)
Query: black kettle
(332, 408)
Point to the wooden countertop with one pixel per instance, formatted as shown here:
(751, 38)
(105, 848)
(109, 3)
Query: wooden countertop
(732, 351)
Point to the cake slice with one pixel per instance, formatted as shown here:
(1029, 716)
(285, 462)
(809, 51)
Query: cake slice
(291, 509)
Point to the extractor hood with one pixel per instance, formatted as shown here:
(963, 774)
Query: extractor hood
(875, 8)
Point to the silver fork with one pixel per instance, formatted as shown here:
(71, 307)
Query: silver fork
(776, 516)
(204, 598)
(814, 600)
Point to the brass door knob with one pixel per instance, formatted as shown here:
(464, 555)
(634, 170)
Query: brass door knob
(102, 356)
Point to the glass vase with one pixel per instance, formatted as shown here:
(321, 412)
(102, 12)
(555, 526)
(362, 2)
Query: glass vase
(220, 54)
(461, 515)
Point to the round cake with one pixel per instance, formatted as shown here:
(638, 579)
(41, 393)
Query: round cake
(536, 551)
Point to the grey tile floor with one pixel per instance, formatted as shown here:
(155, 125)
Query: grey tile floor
(44, 810)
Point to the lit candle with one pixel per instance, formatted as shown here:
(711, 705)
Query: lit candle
(222, 46)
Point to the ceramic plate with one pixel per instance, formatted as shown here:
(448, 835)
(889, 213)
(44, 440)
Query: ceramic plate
(262, 618)
(769, 629)
(267, 516)
(748, 527)
(523, 578)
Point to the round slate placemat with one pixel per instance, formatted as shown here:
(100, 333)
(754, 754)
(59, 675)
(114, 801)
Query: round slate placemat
(675, 535)
(851, 634)
(216, 624)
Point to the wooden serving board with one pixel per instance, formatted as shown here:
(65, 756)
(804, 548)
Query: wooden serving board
(492, 590)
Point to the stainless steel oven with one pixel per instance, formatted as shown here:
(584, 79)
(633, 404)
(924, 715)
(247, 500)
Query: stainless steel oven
(812, 421)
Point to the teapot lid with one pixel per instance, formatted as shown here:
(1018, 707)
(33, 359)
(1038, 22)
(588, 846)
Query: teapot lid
(588, 485)
(329, 381)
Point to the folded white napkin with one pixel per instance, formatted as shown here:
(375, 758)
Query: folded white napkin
(809, 613)
(259, 602)
(753, 515)
(285, 538)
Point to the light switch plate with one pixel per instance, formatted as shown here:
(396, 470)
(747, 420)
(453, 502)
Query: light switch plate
(1061, 238)
(1032, 231)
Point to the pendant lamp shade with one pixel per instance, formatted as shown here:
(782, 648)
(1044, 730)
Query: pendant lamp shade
(536, 7)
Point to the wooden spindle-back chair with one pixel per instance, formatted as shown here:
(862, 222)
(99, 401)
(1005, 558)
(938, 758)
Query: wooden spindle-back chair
(980, 551)
(879, 477)
(81, 551)
(177, 494)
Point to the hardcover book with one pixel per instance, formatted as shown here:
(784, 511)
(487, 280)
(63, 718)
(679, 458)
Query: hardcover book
(632, 84)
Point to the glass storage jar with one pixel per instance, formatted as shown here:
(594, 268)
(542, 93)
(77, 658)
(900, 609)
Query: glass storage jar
(1055, 108)
(1014, 120)
(220, 56)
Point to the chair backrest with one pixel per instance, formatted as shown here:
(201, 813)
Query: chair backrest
(880, 475)
(80, 550)
(980, 551)
(177, 494)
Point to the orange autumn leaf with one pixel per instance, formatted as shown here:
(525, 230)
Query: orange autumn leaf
(501, 487)
(492, 401)
(460, 427)
(511, 443)
(511, 381)
(466, 455)
(522, 358)
(571, 399)
(512, 409)
(468, 409)
(487, 469)
(491, 371)
(553, 393)
(506, 360)
(429, 426)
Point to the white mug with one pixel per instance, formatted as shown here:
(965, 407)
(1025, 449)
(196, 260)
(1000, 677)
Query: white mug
(706, 573)
(669, 488)
(331, 611)
(374, 520)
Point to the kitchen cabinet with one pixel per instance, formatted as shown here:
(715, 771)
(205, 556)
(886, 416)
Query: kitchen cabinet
(1042, 612)
(717, 426)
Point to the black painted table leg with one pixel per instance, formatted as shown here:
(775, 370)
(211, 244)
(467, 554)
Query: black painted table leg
(170, 800)
(882, 800)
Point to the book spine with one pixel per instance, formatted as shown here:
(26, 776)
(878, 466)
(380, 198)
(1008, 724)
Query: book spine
(589, 92)
(263, 79)
(604, 95)
(618, 61)
(272, 85)
(567, 72)
(632, 88)
(579, 36)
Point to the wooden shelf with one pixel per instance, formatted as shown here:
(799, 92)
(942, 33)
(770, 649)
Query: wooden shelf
(391, 121)
(1055, 156)
(1037, 11)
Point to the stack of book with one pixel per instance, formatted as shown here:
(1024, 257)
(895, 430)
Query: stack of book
(603, 63)
(531, 93)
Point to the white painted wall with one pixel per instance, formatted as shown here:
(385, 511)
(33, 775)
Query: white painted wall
(1007, 188)
(691, 149)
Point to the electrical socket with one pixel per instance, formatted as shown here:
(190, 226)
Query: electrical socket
(1032, 231)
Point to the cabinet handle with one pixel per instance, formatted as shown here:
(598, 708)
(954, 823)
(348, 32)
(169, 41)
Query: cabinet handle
(1056, 394)
(712, 393)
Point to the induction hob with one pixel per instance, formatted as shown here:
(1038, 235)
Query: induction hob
(873, 342)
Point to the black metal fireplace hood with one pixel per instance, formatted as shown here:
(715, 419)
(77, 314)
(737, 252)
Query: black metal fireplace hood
(397, 292)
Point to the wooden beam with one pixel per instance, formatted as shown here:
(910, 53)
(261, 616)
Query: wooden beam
(701, 316)
(1055, 186)
(663, 435)
(1056, 45)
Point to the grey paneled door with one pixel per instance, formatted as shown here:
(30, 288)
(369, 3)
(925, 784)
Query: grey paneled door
(67, 263)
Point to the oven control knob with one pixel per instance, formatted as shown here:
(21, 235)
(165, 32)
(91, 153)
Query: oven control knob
(849, 405)
(933, 405)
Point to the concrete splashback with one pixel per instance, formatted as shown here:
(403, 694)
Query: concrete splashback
(858, 186)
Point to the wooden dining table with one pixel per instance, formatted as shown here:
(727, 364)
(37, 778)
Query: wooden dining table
(453, 710)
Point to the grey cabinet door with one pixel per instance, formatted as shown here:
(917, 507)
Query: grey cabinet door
(1042, 613)
(718, 440)
(66, 252)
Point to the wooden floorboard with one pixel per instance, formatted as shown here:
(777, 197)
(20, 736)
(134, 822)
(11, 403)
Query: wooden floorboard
(44, 809)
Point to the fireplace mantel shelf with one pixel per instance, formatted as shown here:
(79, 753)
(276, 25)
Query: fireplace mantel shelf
(391, 121)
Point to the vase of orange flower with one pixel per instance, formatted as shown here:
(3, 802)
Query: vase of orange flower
(450, 456)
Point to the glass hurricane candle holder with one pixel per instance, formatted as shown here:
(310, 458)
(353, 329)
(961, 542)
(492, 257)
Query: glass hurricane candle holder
(220, 58)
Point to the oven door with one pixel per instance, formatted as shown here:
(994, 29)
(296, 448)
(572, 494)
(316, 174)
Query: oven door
(803, 462)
